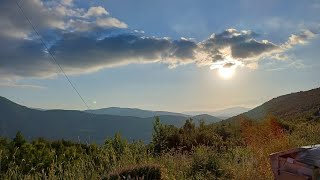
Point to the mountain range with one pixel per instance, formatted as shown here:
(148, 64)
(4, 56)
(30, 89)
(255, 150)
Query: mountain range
(92, 126)
(135, 112)
(135, 124)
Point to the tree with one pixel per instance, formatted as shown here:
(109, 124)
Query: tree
(157, 140)
(19, 140)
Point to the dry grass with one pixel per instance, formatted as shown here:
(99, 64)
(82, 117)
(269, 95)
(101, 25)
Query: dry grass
(139, 172)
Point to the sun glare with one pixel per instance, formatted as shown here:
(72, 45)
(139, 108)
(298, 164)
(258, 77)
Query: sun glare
(226, 72)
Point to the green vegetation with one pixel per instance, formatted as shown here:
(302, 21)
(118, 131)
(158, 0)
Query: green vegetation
(207, 151)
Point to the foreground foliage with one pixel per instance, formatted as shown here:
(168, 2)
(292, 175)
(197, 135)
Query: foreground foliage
(208, 151)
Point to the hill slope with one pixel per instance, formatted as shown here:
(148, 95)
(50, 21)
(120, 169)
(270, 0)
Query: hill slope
(294, 106)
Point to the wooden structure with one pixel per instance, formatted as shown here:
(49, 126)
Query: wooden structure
(297, 164)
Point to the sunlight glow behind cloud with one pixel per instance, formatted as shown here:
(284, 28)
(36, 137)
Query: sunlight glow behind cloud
(226, 72)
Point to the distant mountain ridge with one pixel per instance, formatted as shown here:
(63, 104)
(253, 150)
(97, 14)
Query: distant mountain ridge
(294, 106)
(206, 118)
(223, 113)
(135, 112)
(230, 112)
(77, 125)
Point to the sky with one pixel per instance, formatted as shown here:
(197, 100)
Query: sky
(182, 55)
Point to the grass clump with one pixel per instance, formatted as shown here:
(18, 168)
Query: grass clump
(137, 172)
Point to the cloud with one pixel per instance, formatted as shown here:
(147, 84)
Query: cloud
(236, 47)
(228, 65)
(13, 24)
(96, 12)
(24, 58)
(251, 48)
(52, 15)
(301, 38)
(242, 48)
(81, 42)
(67, 2)
(78, 53)
(18, 85)
(81, 25)
(292, 63)
(111, 22)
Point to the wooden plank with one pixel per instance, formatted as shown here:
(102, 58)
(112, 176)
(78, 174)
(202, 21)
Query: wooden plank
(290, 176)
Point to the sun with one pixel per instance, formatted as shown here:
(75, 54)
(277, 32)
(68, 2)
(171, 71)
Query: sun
(226, 72)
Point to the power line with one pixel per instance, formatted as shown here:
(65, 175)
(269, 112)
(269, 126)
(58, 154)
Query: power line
(52, 57)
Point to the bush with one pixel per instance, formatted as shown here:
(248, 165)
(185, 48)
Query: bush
(168, 137)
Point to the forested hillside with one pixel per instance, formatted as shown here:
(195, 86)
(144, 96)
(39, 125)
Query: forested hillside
(303, 105)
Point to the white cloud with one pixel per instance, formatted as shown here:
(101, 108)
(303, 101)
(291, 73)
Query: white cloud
(67, 2)
(96, 12)
(301, 38)
(79, 25)
(66, 11)
(111, 22)
(52, 15)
